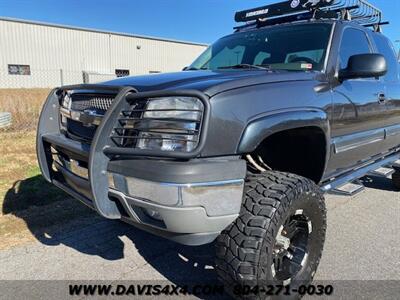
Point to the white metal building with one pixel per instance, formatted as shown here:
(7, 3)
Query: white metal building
(34, 54)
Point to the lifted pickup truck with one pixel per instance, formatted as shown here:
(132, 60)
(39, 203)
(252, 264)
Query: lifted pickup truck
(241, 146)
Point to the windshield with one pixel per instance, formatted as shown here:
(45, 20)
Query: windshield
(296, 47)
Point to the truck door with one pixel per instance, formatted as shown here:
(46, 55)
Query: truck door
(392, 91)
(358, 120)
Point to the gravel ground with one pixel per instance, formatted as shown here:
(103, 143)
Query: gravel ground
(363, 243)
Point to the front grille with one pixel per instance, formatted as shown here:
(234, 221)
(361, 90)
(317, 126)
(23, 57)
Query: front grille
(77, 130)
(132, 127)
(100, 103)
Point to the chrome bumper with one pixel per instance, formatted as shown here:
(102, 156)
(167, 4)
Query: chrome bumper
(195, 213)
(217, 198)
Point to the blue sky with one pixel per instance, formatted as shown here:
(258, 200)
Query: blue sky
(193, 20)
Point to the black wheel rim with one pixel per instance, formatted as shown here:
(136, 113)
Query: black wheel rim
(290, 251)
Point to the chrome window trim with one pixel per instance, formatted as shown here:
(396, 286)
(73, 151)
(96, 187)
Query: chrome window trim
(329, 49)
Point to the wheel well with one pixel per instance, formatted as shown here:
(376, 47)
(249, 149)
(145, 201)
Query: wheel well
(301, 151)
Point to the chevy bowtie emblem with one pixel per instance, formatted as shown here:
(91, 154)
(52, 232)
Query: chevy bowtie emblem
(91, 112)
(90, 118)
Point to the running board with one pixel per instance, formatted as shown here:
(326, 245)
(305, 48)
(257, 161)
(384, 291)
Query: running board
(382, 172)
(349, 189)
(351, 177)
(396, 164)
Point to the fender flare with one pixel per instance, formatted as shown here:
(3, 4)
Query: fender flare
(261, 128)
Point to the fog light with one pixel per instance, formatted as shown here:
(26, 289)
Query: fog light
(153, 214)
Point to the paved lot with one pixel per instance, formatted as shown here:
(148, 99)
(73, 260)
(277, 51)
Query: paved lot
(363, 243)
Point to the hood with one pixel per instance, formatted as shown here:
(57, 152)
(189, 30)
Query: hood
(209, 82)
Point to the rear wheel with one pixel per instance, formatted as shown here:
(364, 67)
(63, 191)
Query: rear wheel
(278, 237)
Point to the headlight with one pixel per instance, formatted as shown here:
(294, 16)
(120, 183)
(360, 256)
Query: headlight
(175, 107)
(173, 124)
(167, 142)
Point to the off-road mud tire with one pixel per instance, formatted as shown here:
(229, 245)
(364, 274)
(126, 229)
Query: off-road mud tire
(244, 249)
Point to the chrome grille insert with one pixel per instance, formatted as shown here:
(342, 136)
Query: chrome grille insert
(84, 113)
(82, 102)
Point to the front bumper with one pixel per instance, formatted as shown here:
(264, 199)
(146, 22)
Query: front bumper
(189, 202)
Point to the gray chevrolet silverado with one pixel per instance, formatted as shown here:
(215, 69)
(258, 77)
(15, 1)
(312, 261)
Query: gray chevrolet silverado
(239, 147)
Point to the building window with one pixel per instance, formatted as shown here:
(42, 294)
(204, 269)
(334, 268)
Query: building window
(19, 70)
(121, 72)
(154, 72)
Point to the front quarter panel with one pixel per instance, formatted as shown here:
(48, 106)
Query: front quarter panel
(242, 118)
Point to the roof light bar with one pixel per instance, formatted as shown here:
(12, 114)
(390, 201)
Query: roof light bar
(280, 9)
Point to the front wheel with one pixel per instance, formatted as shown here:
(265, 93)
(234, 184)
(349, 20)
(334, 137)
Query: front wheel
(277, 239)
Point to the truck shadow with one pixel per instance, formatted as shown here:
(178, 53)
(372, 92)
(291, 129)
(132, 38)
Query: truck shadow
(55, 219)
(378, 183)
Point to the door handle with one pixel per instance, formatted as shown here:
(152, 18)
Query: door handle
(381, 97)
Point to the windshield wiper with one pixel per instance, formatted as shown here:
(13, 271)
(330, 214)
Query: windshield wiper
(245, 66)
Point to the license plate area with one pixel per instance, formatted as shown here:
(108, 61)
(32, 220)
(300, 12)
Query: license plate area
(76, 167)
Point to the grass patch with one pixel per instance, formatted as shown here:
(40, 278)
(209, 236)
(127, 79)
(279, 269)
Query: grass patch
(33, 171)
(24, 105)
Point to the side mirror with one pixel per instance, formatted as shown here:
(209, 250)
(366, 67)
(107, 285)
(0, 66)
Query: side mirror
(364, 66)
